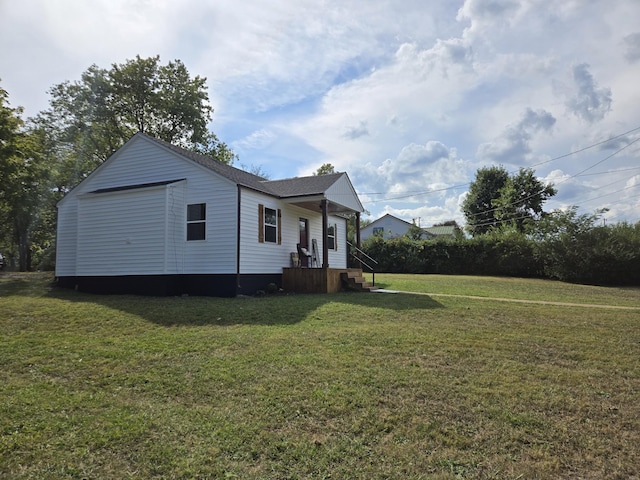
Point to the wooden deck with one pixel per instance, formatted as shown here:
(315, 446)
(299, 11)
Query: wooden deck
(314, 280)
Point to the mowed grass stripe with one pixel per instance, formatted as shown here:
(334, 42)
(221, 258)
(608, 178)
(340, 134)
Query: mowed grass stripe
(314, 386)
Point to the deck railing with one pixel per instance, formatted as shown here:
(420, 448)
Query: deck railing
(362, 262)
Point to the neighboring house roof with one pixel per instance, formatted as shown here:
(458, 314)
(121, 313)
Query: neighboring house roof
(441, 231)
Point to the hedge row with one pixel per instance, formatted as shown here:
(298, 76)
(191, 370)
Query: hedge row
(602, 255)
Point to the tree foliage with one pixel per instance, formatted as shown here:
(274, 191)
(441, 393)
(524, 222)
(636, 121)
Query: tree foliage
(23, 183)
(86, 122)
(563, 245)
(89, 119)
(325, 169)
(576, 248)
(496, 198)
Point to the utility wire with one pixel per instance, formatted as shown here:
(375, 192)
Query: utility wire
(413, 193)
(607, 194)
(513, 204)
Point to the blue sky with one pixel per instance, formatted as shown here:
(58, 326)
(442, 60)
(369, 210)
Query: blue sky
(408, 97)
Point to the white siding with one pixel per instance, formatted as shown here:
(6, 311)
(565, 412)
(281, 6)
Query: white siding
(175, 228)
(66, 240)
(393, 227)
(268, 257)
(142, 161)
(338, 257)
(122, 233)
(342, 193)
(217, 253)
(264, 257)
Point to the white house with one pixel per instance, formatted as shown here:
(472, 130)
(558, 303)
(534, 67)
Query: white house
(389, 226)
(157, 219)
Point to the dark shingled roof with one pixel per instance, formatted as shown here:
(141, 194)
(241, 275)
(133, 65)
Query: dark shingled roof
(301, 186)
(290, 187)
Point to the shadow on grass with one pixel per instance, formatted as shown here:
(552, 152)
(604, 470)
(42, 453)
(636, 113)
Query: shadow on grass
(25, 284)
(280, 309)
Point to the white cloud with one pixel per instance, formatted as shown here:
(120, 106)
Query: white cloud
(405, 98)
(484, 14)
(357, 131)
(590, 102)
(256, 140)
(513, 146)
(632, 42)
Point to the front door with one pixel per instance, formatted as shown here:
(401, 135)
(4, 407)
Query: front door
(304, 240)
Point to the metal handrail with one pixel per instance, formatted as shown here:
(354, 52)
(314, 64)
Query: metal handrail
(362, 262)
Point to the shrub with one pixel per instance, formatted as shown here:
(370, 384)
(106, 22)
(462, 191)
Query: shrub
(565, 247)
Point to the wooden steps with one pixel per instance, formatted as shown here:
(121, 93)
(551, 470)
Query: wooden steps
(353, 279)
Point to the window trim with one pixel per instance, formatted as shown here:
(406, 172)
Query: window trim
(197, 221)
(332, 240)
(262, 224)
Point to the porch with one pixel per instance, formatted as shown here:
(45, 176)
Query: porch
(324, 280)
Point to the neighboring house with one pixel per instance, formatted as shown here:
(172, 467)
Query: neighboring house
(389, 226)
(157, 219)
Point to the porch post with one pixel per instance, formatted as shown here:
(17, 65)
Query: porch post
(358, 229)
(325, 239)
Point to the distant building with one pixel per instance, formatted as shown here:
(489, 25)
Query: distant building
(389, 226)
(443, 231)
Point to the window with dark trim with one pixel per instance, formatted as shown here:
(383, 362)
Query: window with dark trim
(332, 244)
(196, 221)
(270, 225)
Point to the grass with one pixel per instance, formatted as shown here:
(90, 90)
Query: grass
(514, 288)
(320, 386)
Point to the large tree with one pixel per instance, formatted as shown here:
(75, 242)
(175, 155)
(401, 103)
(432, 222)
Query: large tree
(478, 205)
(497, 198)
(89, 119)
(23, 183)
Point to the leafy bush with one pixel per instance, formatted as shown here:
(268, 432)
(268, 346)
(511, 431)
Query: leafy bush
(564, 246)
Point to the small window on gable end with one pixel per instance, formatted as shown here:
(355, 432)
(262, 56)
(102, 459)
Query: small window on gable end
(196, 221)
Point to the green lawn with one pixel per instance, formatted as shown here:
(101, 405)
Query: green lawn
(515, 288)
(338, 386)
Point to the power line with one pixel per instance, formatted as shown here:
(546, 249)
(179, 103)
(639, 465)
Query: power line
(587, 148)
(413, 193)
(611, 171)
(617, 216)
(604, 159)
(513, 204)
(612, 193)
